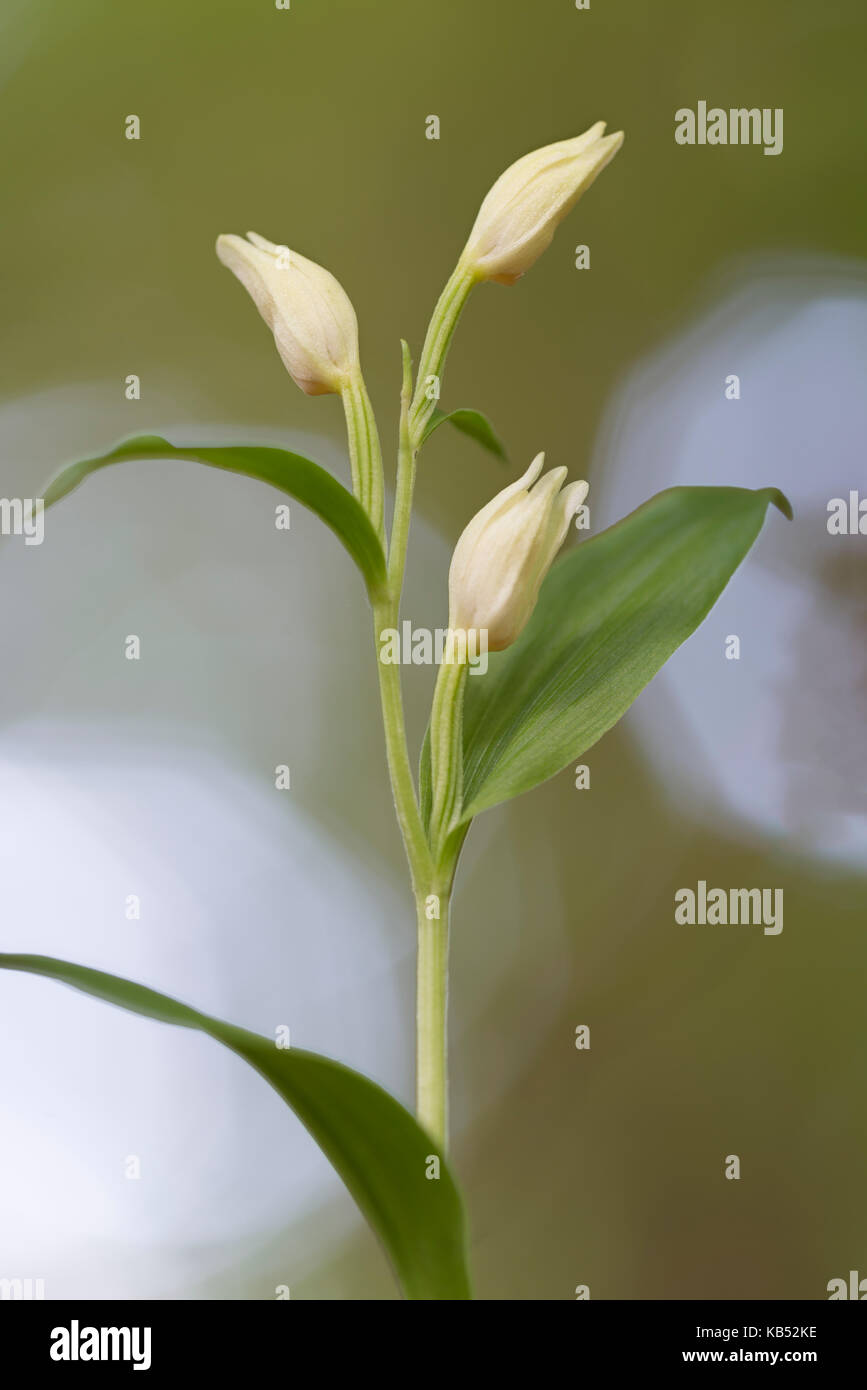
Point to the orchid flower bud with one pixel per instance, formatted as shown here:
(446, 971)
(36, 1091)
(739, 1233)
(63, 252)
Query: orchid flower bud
(520, 215)
(506, 551)
(307, 310)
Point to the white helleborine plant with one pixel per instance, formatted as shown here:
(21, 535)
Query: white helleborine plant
(505, 552)
(609, 617)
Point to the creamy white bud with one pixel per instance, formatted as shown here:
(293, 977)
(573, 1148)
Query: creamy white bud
(520, 215)
(307, 310)
(506, 551)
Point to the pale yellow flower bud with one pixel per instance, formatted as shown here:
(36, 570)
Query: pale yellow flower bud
(520, 215)
(307, 310)
(506, 551)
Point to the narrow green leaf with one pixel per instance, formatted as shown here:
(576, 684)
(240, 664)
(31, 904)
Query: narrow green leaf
(291, 473)
(610, 614)
(376, 1146)
(471, 422)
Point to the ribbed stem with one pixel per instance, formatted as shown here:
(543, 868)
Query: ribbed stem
(385, 615)
(436, 345)
(431, 1016)
(404, 487)
(365, 452)
(446, 751)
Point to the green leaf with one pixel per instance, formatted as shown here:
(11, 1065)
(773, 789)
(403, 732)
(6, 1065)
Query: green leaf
(471, 422)
(376, 1146)
(610, 614)
(293, 474)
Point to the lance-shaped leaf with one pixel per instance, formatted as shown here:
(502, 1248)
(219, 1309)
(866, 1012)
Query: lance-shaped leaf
(609, 615)
(471, 422)
(293, 474)
(379, 1150)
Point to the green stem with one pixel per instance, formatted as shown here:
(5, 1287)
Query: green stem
(446, 739)
(431, 1015)
(428, 876)
(365, 452)
(404, 487)
(443, 323)
(385, 615)
(446, 751)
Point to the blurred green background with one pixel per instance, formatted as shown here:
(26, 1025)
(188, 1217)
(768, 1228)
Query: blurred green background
(308, 126)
